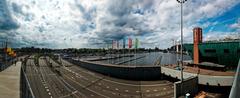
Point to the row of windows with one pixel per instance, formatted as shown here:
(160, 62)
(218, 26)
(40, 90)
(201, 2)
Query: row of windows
(214, 51)
(210, 50)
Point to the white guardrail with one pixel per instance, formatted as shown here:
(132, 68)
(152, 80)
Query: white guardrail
(236, 84)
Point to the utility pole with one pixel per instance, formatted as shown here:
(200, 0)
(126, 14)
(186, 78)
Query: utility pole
(181, 3)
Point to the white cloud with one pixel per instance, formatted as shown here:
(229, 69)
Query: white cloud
(236, 25)
(81, 23)
(213, 36)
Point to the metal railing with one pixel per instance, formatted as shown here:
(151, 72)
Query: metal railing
(25, 88)
(5, 64)
(236, 84)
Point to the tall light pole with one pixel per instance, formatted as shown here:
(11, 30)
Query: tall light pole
(181, 3)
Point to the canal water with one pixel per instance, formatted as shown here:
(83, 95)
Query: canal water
(148, 59)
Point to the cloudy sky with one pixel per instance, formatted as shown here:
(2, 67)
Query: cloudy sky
(89, 23)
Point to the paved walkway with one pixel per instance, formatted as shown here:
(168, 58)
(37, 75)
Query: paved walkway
(10, 81)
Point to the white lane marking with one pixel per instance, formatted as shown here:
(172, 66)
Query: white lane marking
(163, 84)
(88, 88)
(155, 90)
(148, 95)
(147, 90)
(72, 93)
(126, 90)
(137, 91)
(125, 95)
(116, 89)
(134, 84)
(90, 73)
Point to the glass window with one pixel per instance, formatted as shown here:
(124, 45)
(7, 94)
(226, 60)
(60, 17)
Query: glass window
(226, 50)
(210, 50)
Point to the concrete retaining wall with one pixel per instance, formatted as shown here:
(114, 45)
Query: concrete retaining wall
(124, 72)
(202, 79)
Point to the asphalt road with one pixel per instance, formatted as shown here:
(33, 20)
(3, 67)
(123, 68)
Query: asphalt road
(73, 81)
(35, 79)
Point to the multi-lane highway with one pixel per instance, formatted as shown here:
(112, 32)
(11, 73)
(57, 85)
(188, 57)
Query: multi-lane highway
(34, 77)
(66, 80)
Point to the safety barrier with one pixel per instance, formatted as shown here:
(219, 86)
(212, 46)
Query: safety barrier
(236, 84)
(124, 72)
(6, 64)
(25, 88)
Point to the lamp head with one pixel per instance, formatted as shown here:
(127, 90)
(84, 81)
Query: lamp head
(181, 1)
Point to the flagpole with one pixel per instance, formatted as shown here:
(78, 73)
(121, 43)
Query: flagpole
(135, 51)
(135, 58)
(123, 49)
(108, 51)
(129, 56)
(118, 49)
(129, 51)
(129, 48)
(112, 51)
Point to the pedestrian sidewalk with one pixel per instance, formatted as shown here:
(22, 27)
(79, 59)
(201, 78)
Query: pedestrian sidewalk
(10, 81)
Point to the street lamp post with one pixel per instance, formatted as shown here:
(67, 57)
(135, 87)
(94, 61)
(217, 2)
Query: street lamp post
(181, 3)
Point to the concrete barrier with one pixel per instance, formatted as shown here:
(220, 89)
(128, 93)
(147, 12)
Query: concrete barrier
(25, 88)
(189, 85)
(202, 79)
(124, 72)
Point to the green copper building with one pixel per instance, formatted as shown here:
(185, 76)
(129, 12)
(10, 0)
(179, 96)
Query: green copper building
(224, 52)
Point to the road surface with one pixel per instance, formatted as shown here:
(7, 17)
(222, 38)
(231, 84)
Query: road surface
(51, 79)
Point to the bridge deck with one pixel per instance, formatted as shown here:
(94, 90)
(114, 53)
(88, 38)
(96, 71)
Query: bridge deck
(9, 81)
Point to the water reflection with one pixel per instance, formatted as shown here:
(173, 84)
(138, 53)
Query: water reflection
(145, 59)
